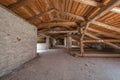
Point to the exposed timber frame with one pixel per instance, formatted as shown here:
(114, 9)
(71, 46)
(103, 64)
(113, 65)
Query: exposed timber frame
(20, 3)
(67, 24)
(101, 12)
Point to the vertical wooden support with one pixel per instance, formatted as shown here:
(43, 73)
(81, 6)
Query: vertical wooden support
(65, 42)
(48, 42)
(54, 42)
(81, 42)
(69, 42)
(81, 48)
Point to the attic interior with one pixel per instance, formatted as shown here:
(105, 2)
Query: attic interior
(77, 35)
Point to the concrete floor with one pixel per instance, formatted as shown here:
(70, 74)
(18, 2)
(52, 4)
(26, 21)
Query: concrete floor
(56, 64)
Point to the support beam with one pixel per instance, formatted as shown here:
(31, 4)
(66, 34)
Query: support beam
(90, 2)
(92, 36)
(72, 15)
(63, 31)
(81, 48)
(58, 20)
(42, 14)
(101, 12)
(106, 26)
(116, 10)
(69, 42)
(67, 24)
(100, 40)
(81, 43)
(48, 42)
(104, 33)
(106, 9)
(65, 41)
(112, 45)
(20, 3)
(107, 43)
(102, 55)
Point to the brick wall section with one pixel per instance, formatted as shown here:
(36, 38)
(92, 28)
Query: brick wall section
(18, 41)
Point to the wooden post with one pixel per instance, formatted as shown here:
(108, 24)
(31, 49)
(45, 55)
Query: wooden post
(48, 42)
(81, 42)
(54, 42)
(69, 42)
(81, 48)
(65, 42)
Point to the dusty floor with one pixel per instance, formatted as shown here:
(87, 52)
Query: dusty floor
(58, 65)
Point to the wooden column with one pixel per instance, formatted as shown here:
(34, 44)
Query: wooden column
(81, 42)
(48, 42)
(81, 48)
(65, 42)
(69, 42)
(54, 42)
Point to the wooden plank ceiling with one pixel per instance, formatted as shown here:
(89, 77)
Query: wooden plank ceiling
(69, 15)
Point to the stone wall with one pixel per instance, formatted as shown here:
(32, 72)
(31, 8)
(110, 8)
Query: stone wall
(18, 41)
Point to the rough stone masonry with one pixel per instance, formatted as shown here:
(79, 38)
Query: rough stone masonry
(17, 41)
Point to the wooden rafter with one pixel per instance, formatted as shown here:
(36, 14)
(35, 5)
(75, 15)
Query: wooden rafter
(104, 33)
(106, 26)
(101, 12)
(107, 43)
(97, 41)
(72, 15)
(20, 3)
(41, 14)
(90, 2)
(58, 19)
(63, 31)
(68, 24)
(116, 10)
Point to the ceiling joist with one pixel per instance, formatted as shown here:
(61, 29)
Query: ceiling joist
(90, 2)
(101, 12)
(100, 41)
(42, 14)
(72, 15)
(106, 26)
(63, 31)
(68, 24)
(107, 43)
(20, 3)
(104, 33)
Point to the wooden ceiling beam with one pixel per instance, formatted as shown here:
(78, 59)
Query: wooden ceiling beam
(67, 24)
(116, 10)
(101, 12)
(42, 14)
(90, 2)
(106, 9)
(104, 33)
(20, 3)
(107, 43)
(106, 26)
(58, 19)
(72, 15)
(63, 31)
(98, 41)
(92, 36)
